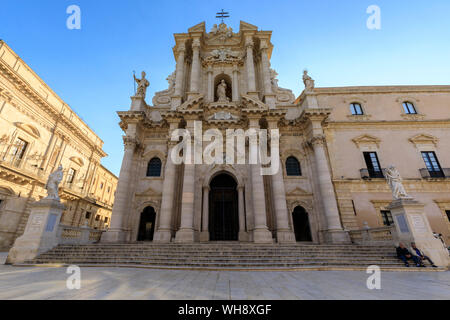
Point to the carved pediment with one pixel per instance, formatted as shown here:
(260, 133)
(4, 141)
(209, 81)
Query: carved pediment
(193, 103)
(150, 193)
(77, 160)
(253, 104)
(298, 192)
(244, 26)
(28, 128)
(424, 139)
(198, 28)
(366, 139)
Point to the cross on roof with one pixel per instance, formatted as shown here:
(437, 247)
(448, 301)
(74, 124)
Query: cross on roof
(222, 15)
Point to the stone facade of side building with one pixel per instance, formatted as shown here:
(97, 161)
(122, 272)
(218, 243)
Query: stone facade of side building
(334, 145)
(38, 132)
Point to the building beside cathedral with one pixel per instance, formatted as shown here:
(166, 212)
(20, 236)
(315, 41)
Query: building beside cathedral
(38, 132)
(334, 147)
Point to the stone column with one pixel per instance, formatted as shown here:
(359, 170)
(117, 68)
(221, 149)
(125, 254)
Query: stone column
(195, 72)
(210, 85)
(235, 89)
(284, 233)
(251, 84)
(186, 231)
(176, 100)
(242, 232)
(204, 236)
(335, 232)
(268, 94)
(164, 232)
(116, 233)
(261, 234)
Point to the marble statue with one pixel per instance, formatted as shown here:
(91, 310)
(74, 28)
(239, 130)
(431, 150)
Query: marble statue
(395, 182)
(308, 81)
(215, 29)
(222, 91)
(52, 186)
(142, 85)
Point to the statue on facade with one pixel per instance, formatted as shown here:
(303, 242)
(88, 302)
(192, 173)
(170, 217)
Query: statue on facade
(222, 91)
(52, 186)
(395, 182)
(308, 81)
(142, 85)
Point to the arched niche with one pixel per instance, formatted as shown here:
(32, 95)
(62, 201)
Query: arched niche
(217, 80)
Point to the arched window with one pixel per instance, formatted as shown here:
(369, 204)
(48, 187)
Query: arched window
(356, 109)
(154, 168)
(293, 167)
(409, 108)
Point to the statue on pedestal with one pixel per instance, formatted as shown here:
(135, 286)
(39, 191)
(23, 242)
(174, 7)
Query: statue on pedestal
(222, 92)
(308, 81)
(395, 182)
(142, 85)
(53, 182)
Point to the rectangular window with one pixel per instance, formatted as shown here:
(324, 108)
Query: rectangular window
(88, 215)
(387, 218)
(433, 166)
(97, 218)
(356, 109)
(373, 165)
(106, 219)
(448, 214)
(71, 175)
(18, 151)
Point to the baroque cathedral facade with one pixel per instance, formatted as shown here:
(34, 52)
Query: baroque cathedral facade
(334, 146)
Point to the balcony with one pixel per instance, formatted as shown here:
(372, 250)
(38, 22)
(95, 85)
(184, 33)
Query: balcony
(366, 174)
(22, 166)
(430, 175)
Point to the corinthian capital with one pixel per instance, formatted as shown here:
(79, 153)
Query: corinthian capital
(318, 140)
(249, 42)
(129, 142)
(196, 43)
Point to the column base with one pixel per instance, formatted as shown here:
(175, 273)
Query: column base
(285, 236)
(243, 236)
(114, 236)
(184, 236)
(204, 236)
(162, 236)
(262, 236)
(337, 236)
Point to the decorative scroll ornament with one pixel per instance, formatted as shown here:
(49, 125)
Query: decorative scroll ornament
(163, 98)
(284, 96)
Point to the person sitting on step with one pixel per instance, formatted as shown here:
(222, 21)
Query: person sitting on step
(404, 255)
(421, 255)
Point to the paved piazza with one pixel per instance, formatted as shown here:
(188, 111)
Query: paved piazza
(148, 284)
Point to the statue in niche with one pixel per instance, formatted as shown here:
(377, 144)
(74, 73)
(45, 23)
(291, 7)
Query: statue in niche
(52, 186)
(395, 182)
(222, 92)
(142, 85)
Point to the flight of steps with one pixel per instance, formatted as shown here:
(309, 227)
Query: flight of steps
(225, 256)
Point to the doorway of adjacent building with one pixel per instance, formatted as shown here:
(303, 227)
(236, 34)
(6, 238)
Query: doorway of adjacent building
(223, 209)
(302, 228)
(147, 224)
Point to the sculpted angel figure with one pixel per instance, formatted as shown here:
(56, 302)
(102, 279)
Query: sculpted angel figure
(142, 85)
(222, 91)
(308, 81)
(52, 186)
(395, 182)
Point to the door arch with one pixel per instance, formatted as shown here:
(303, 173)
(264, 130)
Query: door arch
(302, 228)
(223, 209)
(147, 225)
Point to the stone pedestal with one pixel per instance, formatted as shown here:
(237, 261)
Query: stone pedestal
(412, 226)
(41, 232)
(137, 104)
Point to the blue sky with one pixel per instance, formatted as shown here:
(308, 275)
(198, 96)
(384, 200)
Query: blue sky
(91, 69)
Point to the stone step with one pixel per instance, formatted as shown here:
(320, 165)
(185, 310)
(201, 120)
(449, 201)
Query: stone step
(222, 255)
